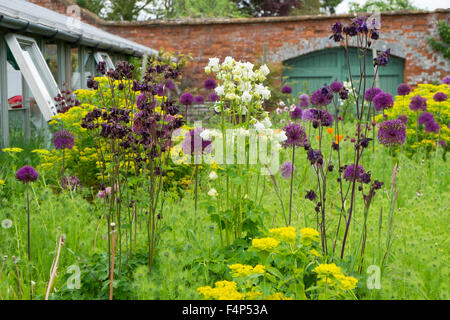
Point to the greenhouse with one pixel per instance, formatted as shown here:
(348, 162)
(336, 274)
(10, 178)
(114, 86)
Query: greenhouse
(43, 52)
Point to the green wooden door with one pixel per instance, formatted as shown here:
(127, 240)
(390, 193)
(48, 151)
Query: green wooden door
(309, 72)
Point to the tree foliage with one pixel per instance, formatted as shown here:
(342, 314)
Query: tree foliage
(172, 9)
(330, 5)
(381, 5)
(265, 8)
(442, 45)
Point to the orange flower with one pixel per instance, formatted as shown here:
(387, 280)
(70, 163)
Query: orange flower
(318, 138)
(330, 130)
(338, 138)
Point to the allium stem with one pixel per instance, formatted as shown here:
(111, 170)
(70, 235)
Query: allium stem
(292, 182)
(111, 278)
(28, 223)
(196, 186)
(55, 267)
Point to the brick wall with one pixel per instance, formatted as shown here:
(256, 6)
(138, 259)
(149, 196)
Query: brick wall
(406, 33)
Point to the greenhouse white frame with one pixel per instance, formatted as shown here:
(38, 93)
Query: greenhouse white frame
(31, 39)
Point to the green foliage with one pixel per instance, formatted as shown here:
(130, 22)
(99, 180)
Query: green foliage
(173, 9)
(330, 5)
(381, 5)
(442, 45)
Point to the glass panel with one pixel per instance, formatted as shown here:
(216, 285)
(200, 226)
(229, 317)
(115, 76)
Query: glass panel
(76, 83)
(51, 57)
(16, 113)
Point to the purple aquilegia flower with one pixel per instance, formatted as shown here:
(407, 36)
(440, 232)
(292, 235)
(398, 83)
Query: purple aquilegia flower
(440, 97)
(304, 100)
(296, 136)
(418, 103)
(403, 118)
(297, 113)
(337, 32)
(27, 174)
(383, 100)
(194, 144)
(446, 80)
(371, 93)
(199, 100)
(63, 140)
(286, 89)
(382, 58)
(350, 174)
(213, 97)
(186, 99)
(403, 89)
(169, 85)
(210, 84)
(287, 169)
(315, 157)
(336, 86)
(310, 195)
(391, 133)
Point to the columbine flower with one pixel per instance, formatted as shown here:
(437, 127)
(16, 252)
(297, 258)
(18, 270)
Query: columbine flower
(382, 58)
(296, 136)
(440, 97)
(213, 193)
(213, 175)
(383, 100)
(392, 133)
(210, 84)
(27, 174)
(371, 93)
(286, 169)
(403, 89)
(7, 223)
(418, 103)
(350, 174)
(63, 140)
(186, 99)
(311, 195)
(304, 100)
(286, 89)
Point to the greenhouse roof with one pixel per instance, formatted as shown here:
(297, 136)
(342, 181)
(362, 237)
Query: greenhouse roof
(23, 16)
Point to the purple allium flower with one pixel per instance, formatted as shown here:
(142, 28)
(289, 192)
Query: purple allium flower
(440, 97)
(210, 84)
(186, 99)
(199, 100)
(286, 169)
(371, 93)
(322, 97)
(382, 58)
(194, 144)
(392, 133)
(336, 86)
(418, 103)
(446, 80)
(426, 117)
(403, 89)
(383, 100)
(27, 174)
(432, 127)
(403, 118)
(297, 113)
(443, 143)
(296, 136)
(309, 114)
(63, 140)
(304, 100)
(350, 174)
(213, 97)
(286, 89)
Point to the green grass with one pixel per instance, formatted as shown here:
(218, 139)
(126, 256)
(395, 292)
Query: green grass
(189, 242)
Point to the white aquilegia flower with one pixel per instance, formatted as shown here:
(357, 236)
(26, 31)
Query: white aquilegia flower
(206, 134)
(212, 192)
(7, 223)
(259, 126)
(220, 90)
(267, 123)
(246, 97)
(213, 175)
(264, 70)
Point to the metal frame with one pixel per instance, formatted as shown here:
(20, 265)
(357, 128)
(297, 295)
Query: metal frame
(34, 74)
(101, 56)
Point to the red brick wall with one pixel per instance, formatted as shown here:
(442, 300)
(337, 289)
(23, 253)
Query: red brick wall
(406, 33)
